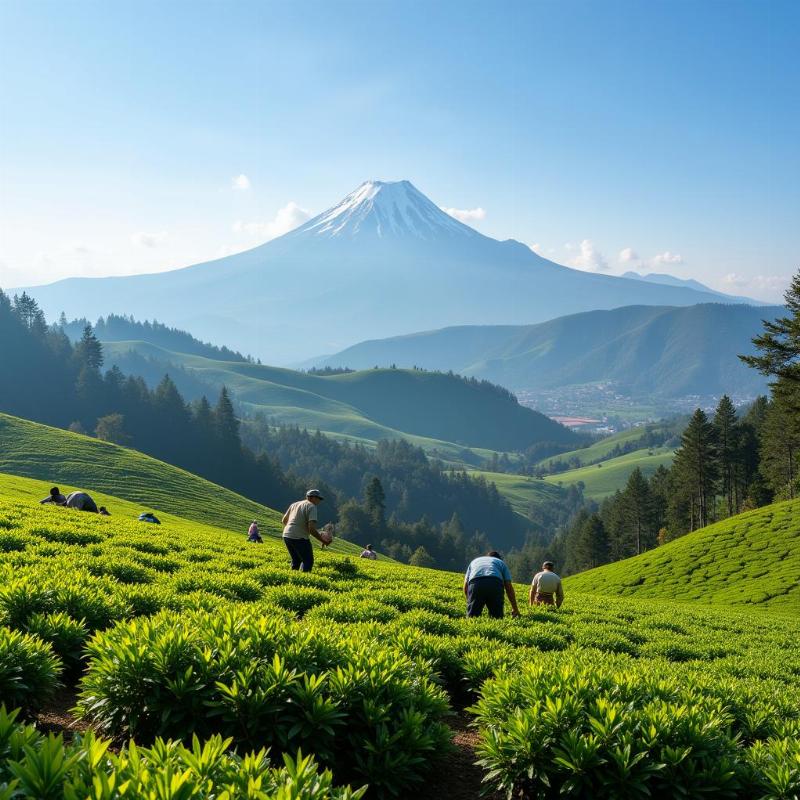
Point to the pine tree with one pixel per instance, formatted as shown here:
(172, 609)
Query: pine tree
(89, 351)
(727, 434)
(225, 423)
(780, 450)
(29, 313)
(637, 512)
(779, 344)
(695, 470)
(375, 503)
(591, 545)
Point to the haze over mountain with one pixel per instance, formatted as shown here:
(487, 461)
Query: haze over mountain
(666, 352)
(384, 261)
(689, 283)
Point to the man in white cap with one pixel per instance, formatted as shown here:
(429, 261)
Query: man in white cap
(299, 525)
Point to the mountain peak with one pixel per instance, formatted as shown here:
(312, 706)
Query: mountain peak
(385, 209)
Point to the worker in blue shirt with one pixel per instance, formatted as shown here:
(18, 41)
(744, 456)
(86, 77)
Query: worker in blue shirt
(486, 579)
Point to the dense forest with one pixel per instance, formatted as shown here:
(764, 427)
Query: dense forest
(63, 384)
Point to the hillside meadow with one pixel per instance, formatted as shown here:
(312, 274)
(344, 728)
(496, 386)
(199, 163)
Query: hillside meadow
(752, 559)
(603, 479)
(185, 630)
(74, 461)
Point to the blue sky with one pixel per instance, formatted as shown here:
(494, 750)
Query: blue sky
(656, 136)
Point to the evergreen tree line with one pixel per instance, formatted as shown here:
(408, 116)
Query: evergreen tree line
(121, 328)
(422, 503)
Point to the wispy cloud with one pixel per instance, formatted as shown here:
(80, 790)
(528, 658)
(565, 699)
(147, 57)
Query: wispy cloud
(628, 256)
(586, 256)
(144, 239)
(666, 258)
(241, 182)
(466, 215)
(765, 287)
(287, 219)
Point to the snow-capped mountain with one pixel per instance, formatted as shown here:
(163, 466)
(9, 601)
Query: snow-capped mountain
(384, 261)
(385, 210)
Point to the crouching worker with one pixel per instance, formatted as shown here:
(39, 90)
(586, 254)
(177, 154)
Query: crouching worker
(253, 534)
(546, 589)
(299, 525)
(487, 579)
(81, 501)
(55, 497)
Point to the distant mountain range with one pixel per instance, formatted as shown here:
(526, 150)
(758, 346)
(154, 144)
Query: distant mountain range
(384, 261)
(689, 283)
(666, 352)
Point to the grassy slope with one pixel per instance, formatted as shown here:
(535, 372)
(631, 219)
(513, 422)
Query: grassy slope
(520, 490)
(753, 558)
(603, 447)
(602, 481)
(108, 471)
(368, 405)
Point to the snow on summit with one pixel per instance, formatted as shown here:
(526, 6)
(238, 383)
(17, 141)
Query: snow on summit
(385, 209)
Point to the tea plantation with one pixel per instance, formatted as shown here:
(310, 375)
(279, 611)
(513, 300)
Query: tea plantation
(237, 678)
(57, 456)
(751, 559)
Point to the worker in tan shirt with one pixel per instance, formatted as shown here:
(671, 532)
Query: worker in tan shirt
(546, 589)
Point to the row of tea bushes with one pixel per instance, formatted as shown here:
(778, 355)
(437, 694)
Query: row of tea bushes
(368, 710)
(623, 729)
(38, 767)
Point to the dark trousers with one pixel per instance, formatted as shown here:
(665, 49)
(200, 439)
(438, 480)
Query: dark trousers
(486, 592)
(301, 552)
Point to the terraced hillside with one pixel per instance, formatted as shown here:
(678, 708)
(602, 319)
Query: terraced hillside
(750, 559)
(604, 478)
(187, 630)
(73, 461)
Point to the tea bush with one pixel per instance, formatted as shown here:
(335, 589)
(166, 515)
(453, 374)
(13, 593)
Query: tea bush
(29, 670)
(370, 711)
(579, 728)
(35, 767)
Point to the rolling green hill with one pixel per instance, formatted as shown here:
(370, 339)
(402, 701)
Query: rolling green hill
(368, 406)
(521, 491)
(750, 559)
(602, 448)
(108, 471)
(647, 350)
(603, 479)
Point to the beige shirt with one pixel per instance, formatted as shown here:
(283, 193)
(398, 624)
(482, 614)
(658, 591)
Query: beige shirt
(549, 583)
(300, 514)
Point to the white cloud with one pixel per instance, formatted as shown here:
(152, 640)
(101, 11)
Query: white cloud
(765, 287)
(466, 215)
(145, 239)
(287, 219)
(666, 258)
(628, 255)
(587, 257)
(241, 182)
